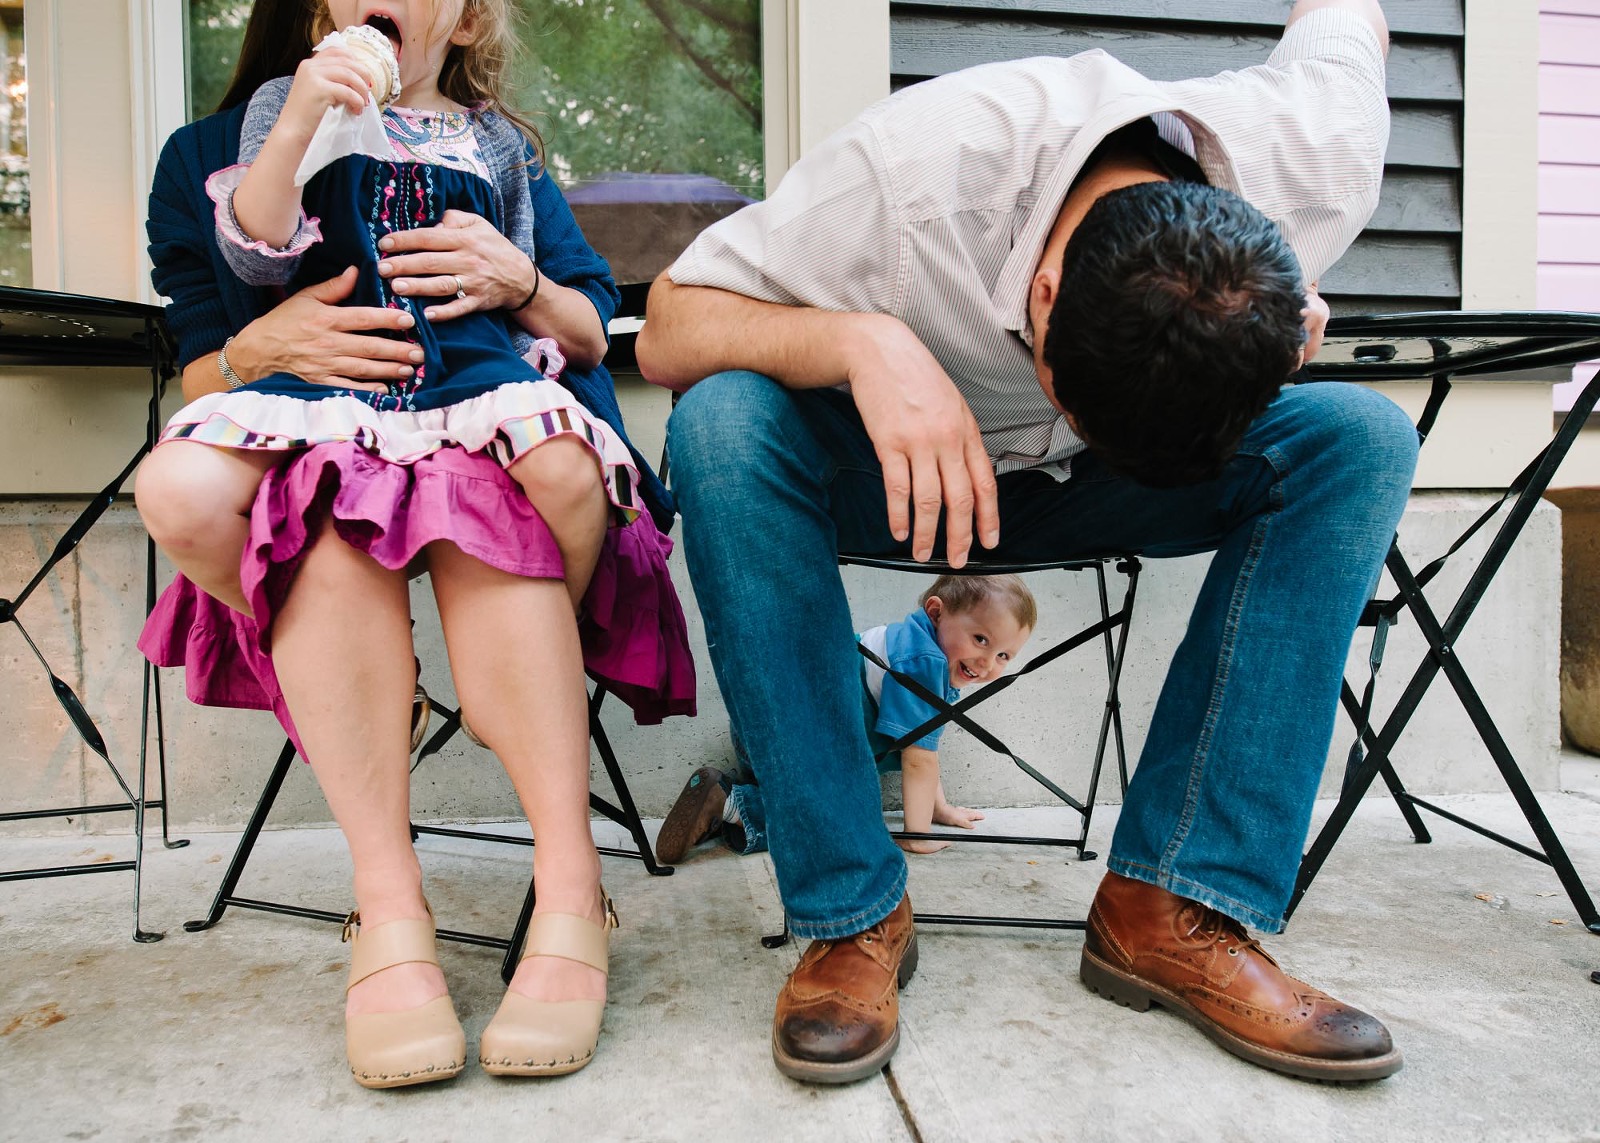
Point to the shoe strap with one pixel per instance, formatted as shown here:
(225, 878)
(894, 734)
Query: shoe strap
(383, 946)
(569, 937)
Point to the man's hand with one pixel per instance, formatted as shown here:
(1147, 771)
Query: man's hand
(1316, 315)
(925, 436)
(1369, 10)
(927, 442)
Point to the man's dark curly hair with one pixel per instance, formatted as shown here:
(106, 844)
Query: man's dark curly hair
(1177, 321)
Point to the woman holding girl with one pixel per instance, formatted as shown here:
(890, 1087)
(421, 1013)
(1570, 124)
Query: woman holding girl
(300, 491)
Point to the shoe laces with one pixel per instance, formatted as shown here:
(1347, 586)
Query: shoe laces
(1211, 927)
(873, 942)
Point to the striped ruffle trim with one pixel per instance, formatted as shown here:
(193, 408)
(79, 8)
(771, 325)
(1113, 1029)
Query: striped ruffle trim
(505, 423)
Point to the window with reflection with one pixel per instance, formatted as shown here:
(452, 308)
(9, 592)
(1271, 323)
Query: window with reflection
(650, 110)
(16, 221)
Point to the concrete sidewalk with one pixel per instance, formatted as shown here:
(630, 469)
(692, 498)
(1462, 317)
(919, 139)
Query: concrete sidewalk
(235, 1033)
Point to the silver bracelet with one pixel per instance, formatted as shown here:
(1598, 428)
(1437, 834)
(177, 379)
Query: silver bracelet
(228, 375)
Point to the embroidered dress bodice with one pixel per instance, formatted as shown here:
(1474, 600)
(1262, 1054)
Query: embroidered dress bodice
(358, 200)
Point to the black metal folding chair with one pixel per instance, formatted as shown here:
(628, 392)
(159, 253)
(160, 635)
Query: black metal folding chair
(54, 330)
(1112, 632)
(1442, 346)
(626, 815)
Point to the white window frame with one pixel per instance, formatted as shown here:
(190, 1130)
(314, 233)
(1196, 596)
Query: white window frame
(823, 61)
(153, 41)
(41, 39)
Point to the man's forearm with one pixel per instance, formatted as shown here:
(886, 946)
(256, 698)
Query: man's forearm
(691, 332)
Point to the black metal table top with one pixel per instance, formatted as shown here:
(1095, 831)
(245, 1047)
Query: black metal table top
(1417, 346)
(40, 327)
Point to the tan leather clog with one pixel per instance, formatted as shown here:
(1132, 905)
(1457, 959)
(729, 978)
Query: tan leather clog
(395, 1049)
(544, 1037)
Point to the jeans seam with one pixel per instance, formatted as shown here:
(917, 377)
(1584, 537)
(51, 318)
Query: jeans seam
(1197, 765)
(1194, 891)
(849, 926)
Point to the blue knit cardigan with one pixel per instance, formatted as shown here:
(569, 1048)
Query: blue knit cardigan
(208, 303)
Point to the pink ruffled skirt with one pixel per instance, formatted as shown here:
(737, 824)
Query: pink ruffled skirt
(633, 633)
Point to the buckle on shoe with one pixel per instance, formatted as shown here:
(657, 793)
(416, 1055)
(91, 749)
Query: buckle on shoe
(351, 924)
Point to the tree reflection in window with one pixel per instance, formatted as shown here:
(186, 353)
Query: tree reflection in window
(16, 219)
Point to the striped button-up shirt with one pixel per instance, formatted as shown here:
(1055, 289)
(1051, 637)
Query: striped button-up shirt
(934, 205)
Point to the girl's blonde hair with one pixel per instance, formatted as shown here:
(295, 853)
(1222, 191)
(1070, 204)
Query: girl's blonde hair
(964, 592)
(475, 74)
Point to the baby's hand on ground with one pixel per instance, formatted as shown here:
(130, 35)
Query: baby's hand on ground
(946, 814)
(923, 846)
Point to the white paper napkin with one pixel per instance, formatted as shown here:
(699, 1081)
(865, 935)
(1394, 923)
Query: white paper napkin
(343, 132)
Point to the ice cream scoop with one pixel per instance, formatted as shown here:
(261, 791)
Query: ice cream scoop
(343, 131)
(375, 57)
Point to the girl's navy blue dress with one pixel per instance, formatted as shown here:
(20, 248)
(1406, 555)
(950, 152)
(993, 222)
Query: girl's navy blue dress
(472, 389)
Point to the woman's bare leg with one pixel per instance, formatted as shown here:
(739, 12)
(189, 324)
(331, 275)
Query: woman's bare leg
(342, 649)
(561, 478)
(195, 500)
(519, 673)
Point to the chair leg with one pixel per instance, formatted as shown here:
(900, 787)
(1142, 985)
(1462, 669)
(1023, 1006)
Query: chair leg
(1413, 820)
(508, 966)
(627, 815)
(140, 934)
(1554, 853)
(1111, 719)
(252, 830)
(777, 940)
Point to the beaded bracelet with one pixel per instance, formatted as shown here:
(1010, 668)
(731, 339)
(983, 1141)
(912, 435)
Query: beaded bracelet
(533, 293)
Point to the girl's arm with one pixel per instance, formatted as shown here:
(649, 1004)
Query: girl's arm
(266, 203)
(309, 334)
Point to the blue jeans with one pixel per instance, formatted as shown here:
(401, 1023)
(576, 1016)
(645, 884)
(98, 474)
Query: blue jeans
(773, 483)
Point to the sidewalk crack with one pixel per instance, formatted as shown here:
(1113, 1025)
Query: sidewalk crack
(906, 1115)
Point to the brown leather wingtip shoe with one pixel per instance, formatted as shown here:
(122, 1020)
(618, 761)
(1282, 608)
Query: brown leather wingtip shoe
(1147, 946)
(838, 1016)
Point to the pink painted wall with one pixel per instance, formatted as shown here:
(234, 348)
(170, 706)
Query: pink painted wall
(1569, 164)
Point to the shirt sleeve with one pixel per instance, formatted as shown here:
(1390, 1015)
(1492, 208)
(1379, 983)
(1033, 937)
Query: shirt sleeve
(255, 262)
(828, 237)
(900, 712)
(1309, 132)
